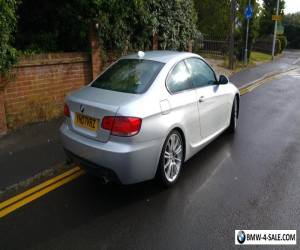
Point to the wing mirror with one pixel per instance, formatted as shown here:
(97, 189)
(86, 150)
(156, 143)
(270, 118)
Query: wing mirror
(223, 79)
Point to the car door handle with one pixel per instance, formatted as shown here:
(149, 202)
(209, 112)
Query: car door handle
(201, 99)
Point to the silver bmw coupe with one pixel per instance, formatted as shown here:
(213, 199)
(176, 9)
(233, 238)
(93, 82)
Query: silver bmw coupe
(146, 115)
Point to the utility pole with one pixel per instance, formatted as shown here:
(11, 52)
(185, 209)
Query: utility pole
(275, 31)
(247, 38)
(232, 29)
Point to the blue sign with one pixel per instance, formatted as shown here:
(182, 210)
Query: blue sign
(249, 12)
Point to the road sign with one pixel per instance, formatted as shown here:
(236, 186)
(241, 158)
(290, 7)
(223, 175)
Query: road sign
(276, 17)
(249, 12)
(280, 29)
(275, 30)
(248, 16)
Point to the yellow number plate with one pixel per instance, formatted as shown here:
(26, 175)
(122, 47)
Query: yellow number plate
(86, 122)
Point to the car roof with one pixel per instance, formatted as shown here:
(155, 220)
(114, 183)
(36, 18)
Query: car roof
(163, 56)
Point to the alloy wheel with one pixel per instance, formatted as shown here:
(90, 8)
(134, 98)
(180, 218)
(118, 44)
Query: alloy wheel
(173, 157)
(235, 113)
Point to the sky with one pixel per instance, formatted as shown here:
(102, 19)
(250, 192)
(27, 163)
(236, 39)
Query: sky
(291, 6)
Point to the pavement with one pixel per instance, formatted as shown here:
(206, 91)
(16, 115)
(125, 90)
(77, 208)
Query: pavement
(30, 153)
(246, 181)
(288, 61)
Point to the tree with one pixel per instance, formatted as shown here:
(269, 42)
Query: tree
(213, 17)
(48, 26)
(242, 27)
(292, 30)
(269, 8)
(55, 25)
(134, 21)
(174, 22)
(8, 19)
(123, 22)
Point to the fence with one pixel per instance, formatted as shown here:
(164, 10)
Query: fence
(212, 45)
(265, 46)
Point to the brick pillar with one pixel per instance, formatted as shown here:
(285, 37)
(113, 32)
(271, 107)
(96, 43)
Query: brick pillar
(154, 41)
(190, 46)
(96, 53)
(126, 48)
(3, 125)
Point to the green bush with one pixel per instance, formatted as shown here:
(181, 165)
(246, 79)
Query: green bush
(8, 19)
(47, 26)
(174, 21)
(278, 47)
(52, 26)
(136, 20)
(265, 43)
(283, 42)
(291, 24)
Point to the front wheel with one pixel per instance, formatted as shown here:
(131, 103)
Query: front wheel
(171, 159)
(234, 116)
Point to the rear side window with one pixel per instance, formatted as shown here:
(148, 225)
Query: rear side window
(202, 74)
(179, 78)
(129, 75)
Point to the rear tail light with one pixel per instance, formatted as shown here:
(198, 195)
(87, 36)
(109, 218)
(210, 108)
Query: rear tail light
(66, 110)
(122, 125)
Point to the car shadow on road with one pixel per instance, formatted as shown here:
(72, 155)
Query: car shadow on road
(196, 169)
(89, 196)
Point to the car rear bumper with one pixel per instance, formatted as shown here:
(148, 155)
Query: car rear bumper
(128, 163)
(93, 168)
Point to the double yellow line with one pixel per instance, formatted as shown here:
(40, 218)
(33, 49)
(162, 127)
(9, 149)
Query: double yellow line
(250, 87)
(259, 82)
(22, 199)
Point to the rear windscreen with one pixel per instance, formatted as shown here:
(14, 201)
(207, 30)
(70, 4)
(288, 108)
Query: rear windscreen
(129, 75)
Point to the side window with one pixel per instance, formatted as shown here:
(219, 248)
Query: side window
(179, 79)
(202, 74)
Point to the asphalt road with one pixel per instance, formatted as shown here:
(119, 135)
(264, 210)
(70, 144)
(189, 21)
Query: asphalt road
(250, 180)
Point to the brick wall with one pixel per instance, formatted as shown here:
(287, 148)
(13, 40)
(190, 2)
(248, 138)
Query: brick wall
(96, 57)
(35, 89)
(3, 127)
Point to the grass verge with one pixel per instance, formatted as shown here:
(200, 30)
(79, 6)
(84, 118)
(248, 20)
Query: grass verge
(259, 57)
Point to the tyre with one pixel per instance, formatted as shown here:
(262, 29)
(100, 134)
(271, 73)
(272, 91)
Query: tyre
(234, 116)
(171, 159)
